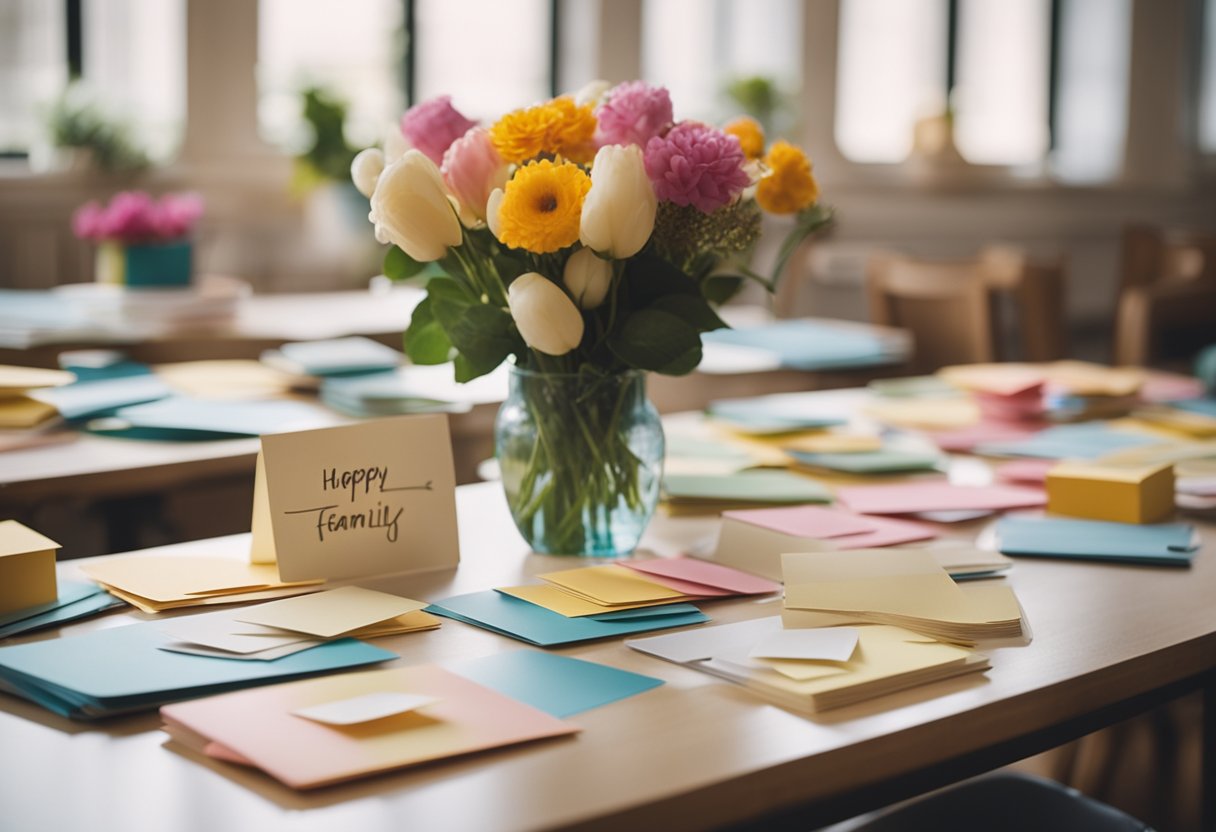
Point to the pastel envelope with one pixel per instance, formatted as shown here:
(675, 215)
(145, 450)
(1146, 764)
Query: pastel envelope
(912, 497)
(1165, 544)
(331, 613)
(173, 579)
(611, 586)
(700, 573)
(572, 606)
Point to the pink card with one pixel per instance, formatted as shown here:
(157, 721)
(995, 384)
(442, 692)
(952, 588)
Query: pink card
(964, 439)
(703, 574)
(1027, 470)
(804, 521)
(910, 497)
(886, 532)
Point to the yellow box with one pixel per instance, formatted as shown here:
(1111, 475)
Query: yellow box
(1122, 493)
(27, 568)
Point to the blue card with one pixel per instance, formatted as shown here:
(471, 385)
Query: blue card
(763, 415)
(69, 592)
(92, 399)
(558, 685)
(1085, 441)
(82, 607)
(810, 345)
(122, 669)
(224, 417)
(1166, 544)
(509, 616)
(355, 354)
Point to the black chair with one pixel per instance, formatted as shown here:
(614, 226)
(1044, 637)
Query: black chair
(1005, 802)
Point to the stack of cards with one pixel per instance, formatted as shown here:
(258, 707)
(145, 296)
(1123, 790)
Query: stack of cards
(1163, 544)
(270, 631)
(18, 411)
(710, 494)
(814, 669)
(155, 584)
(904, 587)
(77, 599)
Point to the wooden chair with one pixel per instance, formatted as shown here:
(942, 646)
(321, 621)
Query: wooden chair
(1166, 306)
(944, 305)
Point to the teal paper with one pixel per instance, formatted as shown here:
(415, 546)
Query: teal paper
(869, 462)
(810, 345)
(760, 486)
(336, 356)
(1204, 407)
(761, 416)
(92, 399)
(122, 669)
(512, 617)
(558, 685)
(69, 592)
(82, 607)
(223, 417)
(1165, 544)
(1084, 441)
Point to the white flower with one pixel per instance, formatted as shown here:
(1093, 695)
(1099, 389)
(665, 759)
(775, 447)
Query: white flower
(411, 208)
(592, 92)
(618, 213)
(492, 206)
(587, 277)
(546, 317)
(366, 168)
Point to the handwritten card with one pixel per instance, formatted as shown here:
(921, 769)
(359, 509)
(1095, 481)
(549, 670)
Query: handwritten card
(358, 500)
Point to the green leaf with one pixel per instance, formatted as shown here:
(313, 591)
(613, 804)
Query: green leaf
(654, 339)
(719, 288)
(400, 266)
(484, 336)
(426, 342)
(651, 277)
(809, 221)
(692, 309)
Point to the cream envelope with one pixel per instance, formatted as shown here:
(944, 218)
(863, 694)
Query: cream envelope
(365, 708)
(330, 613)
(562, 602)
(222, 631)
(165, 579)
(834, 644)
(225, 379)
(611, 586)
(16, 380)
(260, 727)
(150, 606)
(267, 655)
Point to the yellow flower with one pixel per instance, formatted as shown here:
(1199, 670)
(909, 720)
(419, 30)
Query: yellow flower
(558, 127)
(789, 186)
(750, 135)
(541, 206)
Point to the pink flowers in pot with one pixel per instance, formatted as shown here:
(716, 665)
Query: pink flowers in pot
(138, 217)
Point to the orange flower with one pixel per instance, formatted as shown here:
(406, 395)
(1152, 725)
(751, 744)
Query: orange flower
(750, 135)
(789, 185)
(558, 128)
(542, 205)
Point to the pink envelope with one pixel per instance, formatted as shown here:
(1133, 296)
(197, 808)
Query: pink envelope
(1027, 470)
(911, 497)
(964, 439)
(844, 529)
(701, 576)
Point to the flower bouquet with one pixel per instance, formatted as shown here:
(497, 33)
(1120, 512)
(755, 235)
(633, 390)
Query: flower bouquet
(587, 239)
(141, 241)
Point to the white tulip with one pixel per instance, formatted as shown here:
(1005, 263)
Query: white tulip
(366, 168)
(587, 277)
(492, 206)
(411, 209)
(618, 213)
(546, 317)
(592, 92)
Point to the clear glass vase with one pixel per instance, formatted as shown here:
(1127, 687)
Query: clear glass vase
(581, 457)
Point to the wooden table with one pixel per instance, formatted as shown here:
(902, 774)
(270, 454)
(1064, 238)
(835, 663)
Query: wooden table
(695, 753)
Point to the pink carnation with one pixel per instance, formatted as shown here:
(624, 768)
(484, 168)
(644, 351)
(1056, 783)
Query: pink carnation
(695, 164)
(177, 214)
(86, 222)
(433, 125)
(134, 216)
(634, 113)
(129, 216)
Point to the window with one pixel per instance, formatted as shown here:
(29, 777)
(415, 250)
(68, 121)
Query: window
(135, 66)
(1207, 103)
(33, 68)
(1001, 89)
(490, 56)
(350, 48)
(891, 72)
(699, 49)
(1091, 89)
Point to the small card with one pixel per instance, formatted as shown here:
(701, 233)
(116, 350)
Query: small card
(268, 654)
(610, 585)
(223, 631)
(913, 497)
(329, 614)
(831, 644)
(359, 500)
(704, 573)
(365, 708)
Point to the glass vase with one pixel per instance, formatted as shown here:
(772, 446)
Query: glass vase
(581, 457)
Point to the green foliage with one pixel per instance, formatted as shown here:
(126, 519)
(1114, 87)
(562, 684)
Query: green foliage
(78, 123)
(328, 157)
(400, 266)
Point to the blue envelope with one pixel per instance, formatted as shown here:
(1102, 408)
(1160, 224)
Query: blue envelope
(122, 669)
(93, 399)
(809, 345)
(763, 416)
(221, 417)
(514, 618)
(1163, 544)
(1085, 441)
(77, 599)
(558, 685)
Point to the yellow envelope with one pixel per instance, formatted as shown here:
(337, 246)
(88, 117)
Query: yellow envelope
(149, 606)
(611, 586)
(562, 602)
(167, 580)
(22, 412)
(409, 623)
(330, 613)
(27, 568)
(236, 379)
(928, 414)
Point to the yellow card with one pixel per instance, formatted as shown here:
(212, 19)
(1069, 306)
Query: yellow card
(929, 414)
(22, 412)
(15, 380)
(149, 606)
(358, 500)
(564, 603)
(330, 613)
(27, 568)
(237, 379)
(1120, 493)
(611, 586)
(171, 579)
(411, 622)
